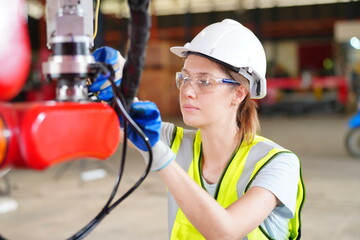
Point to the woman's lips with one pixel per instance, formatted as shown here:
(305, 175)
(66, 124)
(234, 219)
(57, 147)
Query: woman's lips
(189, 107)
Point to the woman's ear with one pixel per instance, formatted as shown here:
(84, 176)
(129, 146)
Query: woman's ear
(240, 94)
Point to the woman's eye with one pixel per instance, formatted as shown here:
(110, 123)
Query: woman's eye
(185, 79)
(204, 82)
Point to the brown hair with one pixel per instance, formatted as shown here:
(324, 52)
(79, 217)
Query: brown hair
(246, 117)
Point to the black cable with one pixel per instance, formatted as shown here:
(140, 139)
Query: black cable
(121, 111)
(147, 142)
(108, 207)
(139, 27)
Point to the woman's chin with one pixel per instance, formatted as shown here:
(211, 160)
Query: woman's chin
(191, 122)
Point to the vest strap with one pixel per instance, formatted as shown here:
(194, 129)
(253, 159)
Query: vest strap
(179, 133)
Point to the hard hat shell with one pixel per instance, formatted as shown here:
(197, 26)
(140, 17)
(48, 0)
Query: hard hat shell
(231, 43)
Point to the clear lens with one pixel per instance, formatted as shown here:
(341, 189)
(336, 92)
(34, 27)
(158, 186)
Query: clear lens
(201, 83)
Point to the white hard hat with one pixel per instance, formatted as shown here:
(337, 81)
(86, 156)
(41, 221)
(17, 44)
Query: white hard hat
(232, 44)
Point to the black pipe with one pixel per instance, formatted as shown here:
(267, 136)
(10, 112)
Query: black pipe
(139, 35)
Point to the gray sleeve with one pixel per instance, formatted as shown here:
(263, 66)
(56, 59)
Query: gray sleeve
(280, 176)
(167, 131)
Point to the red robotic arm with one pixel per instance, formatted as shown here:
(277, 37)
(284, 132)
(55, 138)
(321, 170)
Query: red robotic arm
(40, 134)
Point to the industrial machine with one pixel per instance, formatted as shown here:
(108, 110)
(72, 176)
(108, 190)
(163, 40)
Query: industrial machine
(36, 135)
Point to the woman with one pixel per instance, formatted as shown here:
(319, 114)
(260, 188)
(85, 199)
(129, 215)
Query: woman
(226, 182)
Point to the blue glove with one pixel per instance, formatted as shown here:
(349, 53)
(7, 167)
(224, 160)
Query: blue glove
(147, 116)
(101, 85)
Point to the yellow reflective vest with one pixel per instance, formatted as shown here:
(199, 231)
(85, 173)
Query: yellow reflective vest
(226, 193)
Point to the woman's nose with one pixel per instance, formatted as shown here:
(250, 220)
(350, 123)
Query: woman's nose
(188, 89)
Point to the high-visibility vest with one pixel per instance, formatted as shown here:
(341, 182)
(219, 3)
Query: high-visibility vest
(226, 192)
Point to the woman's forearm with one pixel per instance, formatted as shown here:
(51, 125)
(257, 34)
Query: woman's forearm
(207, 216)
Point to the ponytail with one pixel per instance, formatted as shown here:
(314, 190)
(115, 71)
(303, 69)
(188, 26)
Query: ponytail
(247, 119)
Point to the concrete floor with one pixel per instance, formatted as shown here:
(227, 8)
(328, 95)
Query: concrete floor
(55, 207)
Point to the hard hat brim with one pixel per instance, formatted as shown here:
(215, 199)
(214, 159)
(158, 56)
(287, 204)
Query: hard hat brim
(182, 51)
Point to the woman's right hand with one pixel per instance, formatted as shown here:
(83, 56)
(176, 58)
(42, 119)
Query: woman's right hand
(101, 86)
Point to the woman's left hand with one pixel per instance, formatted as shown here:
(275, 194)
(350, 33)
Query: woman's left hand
(147, 116)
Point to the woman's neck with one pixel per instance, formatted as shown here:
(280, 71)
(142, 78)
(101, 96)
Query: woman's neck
(217, 149)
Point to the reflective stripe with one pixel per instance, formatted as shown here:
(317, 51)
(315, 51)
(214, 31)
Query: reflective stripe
(247, 162)
(257, 152)
(182, 227)
(184, 159)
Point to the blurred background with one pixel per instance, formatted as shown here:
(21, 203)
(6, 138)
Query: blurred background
(313, 74)
(312, 47)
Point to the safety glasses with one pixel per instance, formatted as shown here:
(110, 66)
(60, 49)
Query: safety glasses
(201, 83)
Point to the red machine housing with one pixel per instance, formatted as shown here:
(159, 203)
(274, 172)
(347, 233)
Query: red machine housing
(40, 134)
(294, 90)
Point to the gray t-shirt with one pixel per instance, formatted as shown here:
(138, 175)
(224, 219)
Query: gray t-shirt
(280, 176)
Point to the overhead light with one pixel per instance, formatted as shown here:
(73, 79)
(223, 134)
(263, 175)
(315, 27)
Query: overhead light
(355, 43)
(119, 9)
(35, 9)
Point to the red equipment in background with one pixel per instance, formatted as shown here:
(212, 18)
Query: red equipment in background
(306, 93)
(15, 53)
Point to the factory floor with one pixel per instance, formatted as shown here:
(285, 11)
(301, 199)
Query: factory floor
(56, 203)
